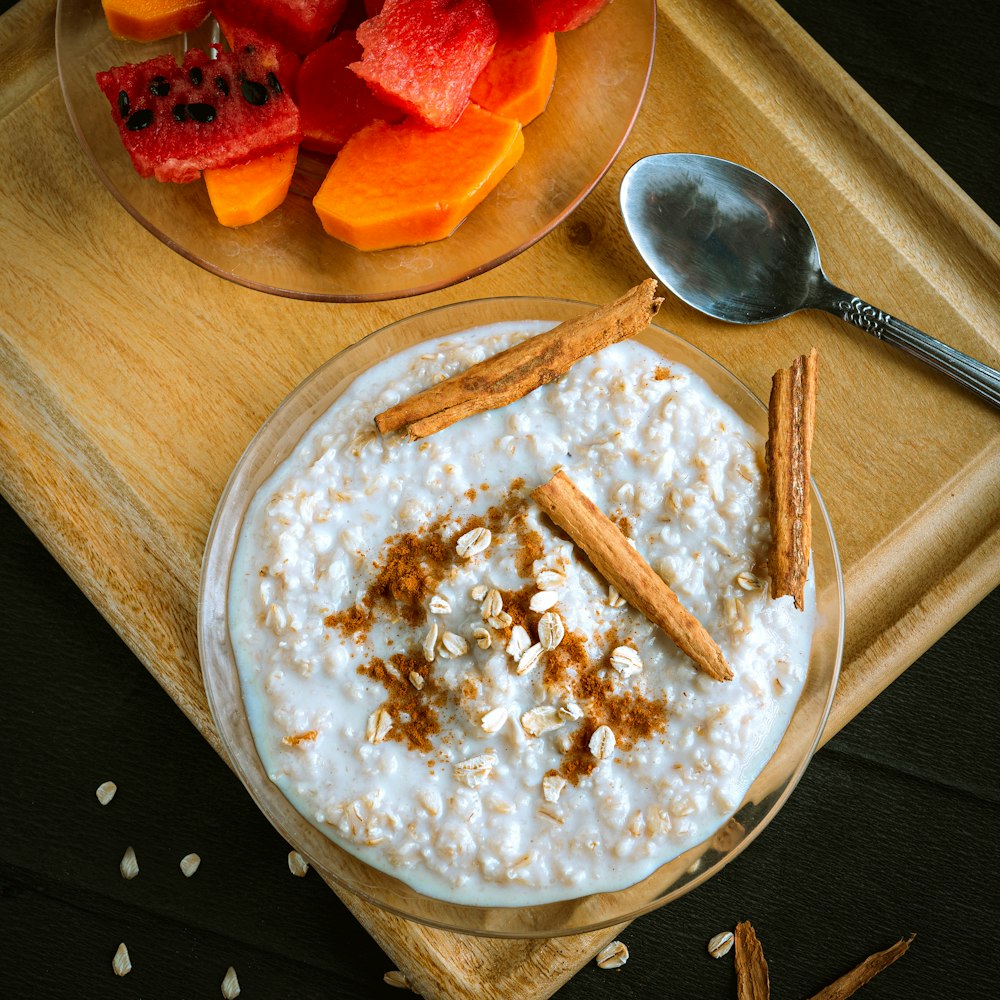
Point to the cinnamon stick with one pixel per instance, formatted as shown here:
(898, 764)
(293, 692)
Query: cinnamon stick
(628, 572)
(752, 982)
(849, 983)
(513, 373)
(791, 419)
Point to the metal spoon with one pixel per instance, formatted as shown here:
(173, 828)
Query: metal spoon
(732, 245)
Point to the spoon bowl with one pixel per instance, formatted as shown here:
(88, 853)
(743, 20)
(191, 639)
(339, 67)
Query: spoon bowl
(732, 245)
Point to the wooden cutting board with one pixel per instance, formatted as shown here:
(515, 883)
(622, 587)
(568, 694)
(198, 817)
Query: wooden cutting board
(130, 380)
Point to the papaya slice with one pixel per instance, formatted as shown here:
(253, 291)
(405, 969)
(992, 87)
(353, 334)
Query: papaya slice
(407, 184)
(149, 20)
(517, 81)
(245, 193)
(333, 102)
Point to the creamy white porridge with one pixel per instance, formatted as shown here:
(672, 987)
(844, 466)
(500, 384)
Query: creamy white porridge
(438, 681)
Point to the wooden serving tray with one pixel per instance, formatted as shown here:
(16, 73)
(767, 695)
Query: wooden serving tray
(130, 380)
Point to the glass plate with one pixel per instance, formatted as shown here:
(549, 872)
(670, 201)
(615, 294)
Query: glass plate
(600, 83)
(274, 442)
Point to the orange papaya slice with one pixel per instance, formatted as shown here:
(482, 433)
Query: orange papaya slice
(517, 81)
(245, 193)
(148, 20)
(407, 184)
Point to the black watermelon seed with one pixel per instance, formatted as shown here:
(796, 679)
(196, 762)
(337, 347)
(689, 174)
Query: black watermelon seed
(179, 112)
(159, 86)
(274, 83)
(123, 104)
(139, 120)
(222, 84)
(203, 113)
(196, 76)
(249, 50)
(254, 92)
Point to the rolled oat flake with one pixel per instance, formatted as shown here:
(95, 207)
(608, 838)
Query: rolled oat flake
(230, 984)
(614, 956)
(121, 963)
(106, 792)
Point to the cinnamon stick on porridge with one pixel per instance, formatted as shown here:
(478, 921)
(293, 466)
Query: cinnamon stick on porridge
(513, 373)
(630, 574)
(791, 419)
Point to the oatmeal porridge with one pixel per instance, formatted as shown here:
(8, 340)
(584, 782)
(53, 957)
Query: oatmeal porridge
(438, 680)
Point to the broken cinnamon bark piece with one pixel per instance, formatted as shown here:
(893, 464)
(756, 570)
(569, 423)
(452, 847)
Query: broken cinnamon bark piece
(791, 420)
(752, 981)
(513, 373)
(849, 983)
(630, 574)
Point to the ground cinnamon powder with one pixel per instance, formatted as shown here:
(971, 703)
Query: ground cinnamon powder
(414, 712)
(631, 716)
(410, 570)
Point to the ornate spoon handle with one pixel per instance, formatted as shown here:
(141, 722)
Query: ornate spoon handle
(973, 374)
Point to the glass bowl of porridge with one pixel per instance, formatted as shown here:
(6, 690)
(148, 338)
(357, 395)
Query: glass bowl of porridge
(439, 702)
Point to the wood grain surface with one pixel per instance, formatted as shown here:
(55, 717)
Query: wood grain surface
(130, 381)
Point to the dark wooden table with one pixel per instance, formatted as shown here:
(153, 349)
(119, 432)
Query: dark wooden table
(893, 829)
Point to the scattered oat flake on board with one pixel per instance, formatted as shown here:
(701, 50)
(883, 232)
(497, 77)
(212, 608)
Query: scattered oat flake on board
(129, 864)
(439, 606)
(189, 864)
(121, 963)
(397, 979)
(297, 864)
(230, 984)
(849, 983)
(106, 792)
(614, 956)
(721, 944)
(752, 981)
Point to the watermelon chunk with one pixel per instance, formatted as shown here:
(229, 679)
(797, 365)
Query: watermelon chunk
(333, 102)
(302, 25)
(176, 121)
(533, 17)
(425, 55)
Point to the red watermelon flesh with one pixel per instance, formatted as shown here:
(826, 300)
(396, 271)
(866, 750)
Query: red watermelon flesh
(176, 121)
(333, 102)
(533, 17)
(424, 55)
(302, 25)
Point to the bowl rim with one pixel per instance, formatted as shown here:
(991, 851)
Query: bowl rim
(211, 553)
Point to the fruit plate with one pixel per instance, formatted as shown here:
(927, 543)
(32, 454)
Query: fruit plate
(276, 440)
(600, 83)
